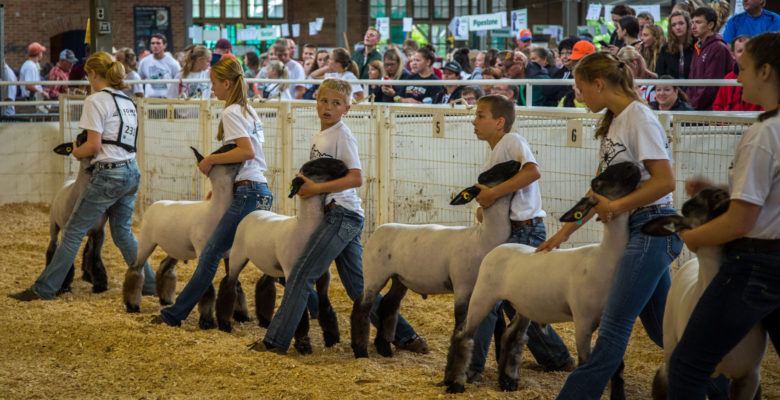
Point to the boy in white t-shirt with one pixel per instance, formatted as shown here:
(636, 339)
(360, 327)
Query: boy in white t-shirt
(492, 123)
(338, 236)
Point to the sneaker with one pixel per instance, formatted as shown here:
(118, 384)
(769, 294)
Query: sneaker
(25, 295)
(415, 345)
(158, 320)
(262, 347)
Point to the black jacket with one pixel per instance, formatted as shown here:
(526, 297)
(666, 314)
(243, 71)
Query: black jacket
(554, 94)
(679, 105)
(455, 95)
(669, 64)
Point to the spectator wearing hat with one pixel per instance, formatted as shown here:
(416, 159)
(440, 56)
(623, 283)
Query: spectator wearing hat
(523, 39)
(61, 72)
(159, 66)
(451, 71)
(31, 71)
(222, 47)
(580, 49)
(553, 94)
(754, 21)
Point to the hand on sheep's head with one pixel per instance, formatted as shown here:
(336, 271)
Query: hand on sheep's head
(306, 189)
(486, 196)
(205, 165)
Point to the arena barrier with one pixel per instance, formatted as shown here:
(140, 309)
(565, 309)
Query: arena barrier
(414, 158)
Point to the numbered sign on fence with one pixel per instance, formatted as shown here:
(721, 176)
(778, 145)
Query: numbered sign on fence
(438, 125)
(574, 133)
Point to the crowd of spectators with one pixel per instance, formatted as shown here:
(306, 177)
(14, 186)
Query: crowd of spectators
(692, 48)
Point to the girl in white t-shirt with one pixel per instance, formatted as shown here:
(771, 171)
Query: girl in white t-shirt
(629, 131)
(127, 57)
(111, 128)
(196, 66)
(239, 125)
(276, 70)
(340, 66)
(746, 289)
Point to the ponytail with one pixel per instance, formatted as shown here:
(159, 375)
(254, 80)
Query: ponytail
(193, 53)
(106, 67)
(354, 69)
(228, 69)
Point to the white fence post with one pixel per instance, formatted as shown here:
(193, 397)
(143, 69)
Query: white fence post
(285, 116)
(142, 198)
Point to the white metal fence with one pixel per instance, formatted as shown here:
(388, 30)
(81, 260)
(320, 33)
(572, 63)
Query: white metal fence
(410, 170)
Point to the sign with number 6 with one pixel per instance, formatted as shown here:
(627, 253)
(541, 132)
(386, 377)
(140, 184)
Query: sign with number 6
(574, 133)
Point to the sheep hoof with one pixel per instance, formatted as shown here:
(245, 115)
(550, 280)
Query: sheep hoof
(360, 352)
(86, 278)
(206, 323)
(225, 326)
(506, 383)
(132, 308)
(165, 302)
(456, 388)
(263, 322)
(303, 346)
(330, 338)
(241, 316)
(99, 288)
(383, 347)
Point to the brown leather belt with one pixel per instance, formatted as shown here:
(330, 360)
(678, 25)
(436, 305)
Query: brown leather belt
(245, 183)
(532, 221)
(755, 245)
(329, 206)
(654, 207)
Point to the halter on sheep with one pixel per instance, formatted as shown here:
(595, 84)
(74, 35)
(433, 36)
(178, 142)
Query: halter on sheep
(283, 241)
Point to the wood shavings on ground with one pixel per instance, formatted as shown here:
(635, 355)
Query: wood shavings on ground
(85, 345)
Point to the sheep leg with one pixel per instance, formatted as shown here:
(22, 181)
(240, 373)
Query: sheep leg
(166, 280)
(388, 317)
(744, 388)
(360, 322)
(661, 383)
(86, 269)
(206, 309)
(459, 354)
(92, 261)
(134, 277)
(617, 384)
(302, 342)
(327, 315)
(512, 343)
(241, 313)
(499, 330)
(265, 300)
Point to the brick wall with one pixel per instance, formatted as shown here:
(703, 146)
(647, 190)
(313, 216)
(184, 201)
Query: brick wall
(40, 21)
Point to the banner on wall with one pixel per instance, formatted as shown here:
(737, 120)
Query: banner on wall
(459, 27)
(486, 22)
(383, 26)
(519, 21)
(149, 20)
(653, 9)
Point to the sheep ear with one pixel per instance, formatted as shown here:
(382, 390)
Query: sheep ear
(64, 149)
(580, 210)
(665, 226)
(198, 156)
(295, 185)
(465, 196)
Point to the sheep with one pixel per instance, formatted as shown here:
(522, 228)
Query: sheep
(451, 257)
(743, 363)
(274, 243)
(559, 286)
(182, 229)
(61, 208)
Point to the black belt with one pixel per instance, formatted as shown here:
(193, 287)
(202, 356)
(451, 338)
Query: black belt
(111, 165)
(532, 221)
(755, 245)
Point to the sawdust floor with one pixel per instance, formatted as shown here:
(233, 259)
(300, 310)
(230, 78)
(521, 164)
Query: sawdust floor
(85, 346)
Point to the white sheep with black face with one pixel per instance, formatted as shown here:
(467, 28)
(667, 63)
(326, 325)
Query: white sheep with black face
(181, 229)
(428, 259)
(274, 243)
(743, 363)
(558, 286)
(61, 208)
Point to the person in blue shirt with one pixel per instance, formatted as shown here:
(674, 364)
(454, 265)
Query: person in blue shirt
(754, 21)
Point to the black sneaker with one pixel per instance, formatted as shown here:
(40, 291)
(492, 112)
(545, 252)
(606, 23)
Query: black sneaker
(25, 295)
(261, 347)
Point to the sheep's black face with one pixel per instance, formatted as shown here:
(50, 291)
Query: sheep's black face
(617, 180)
(707, 205)
(324, 169)
(499, 173)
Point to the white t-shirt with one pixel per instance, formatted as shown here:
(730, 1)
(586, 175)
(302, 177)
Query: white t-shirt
(295, 71)
(271, 89)
(636, 135)
(338, 142)
(347, 76)
(191, 89)
(152, 68)
(527, 202)
(9, 92)
(100, 114)
(754, 176)
(134, 88)
(237, 125)
(30, 72)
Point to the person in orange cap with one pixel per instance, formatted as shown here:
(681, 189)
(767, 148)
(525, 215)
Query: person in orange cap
(523, 39)
(581, 49)
(31, 71)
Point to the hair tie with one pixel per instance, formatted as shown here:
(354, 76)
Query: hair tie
(621, 64)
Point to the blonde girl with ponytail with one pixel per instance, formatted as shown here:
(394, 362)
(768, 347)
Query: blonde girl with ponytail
(341, 66)
(196, 66)
(239, 125)
(629, 131)
(108, 139)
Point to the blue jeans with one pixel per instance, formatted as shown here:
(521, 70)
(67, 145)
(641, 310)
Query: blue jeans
(336, 238)
(246, 199)
(109, 190)
(545, 344)
(641, 283)
(745, 291)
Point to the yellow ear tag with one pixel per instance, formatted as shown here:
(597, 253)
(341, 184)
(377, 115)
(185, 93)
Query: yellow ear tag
(465, 195)
(578, 214)
(69, 149)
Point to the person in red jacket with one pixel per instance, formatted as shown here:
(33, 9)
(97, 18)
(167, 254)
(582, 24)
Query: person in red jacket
(730, 97)
(712, 58)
